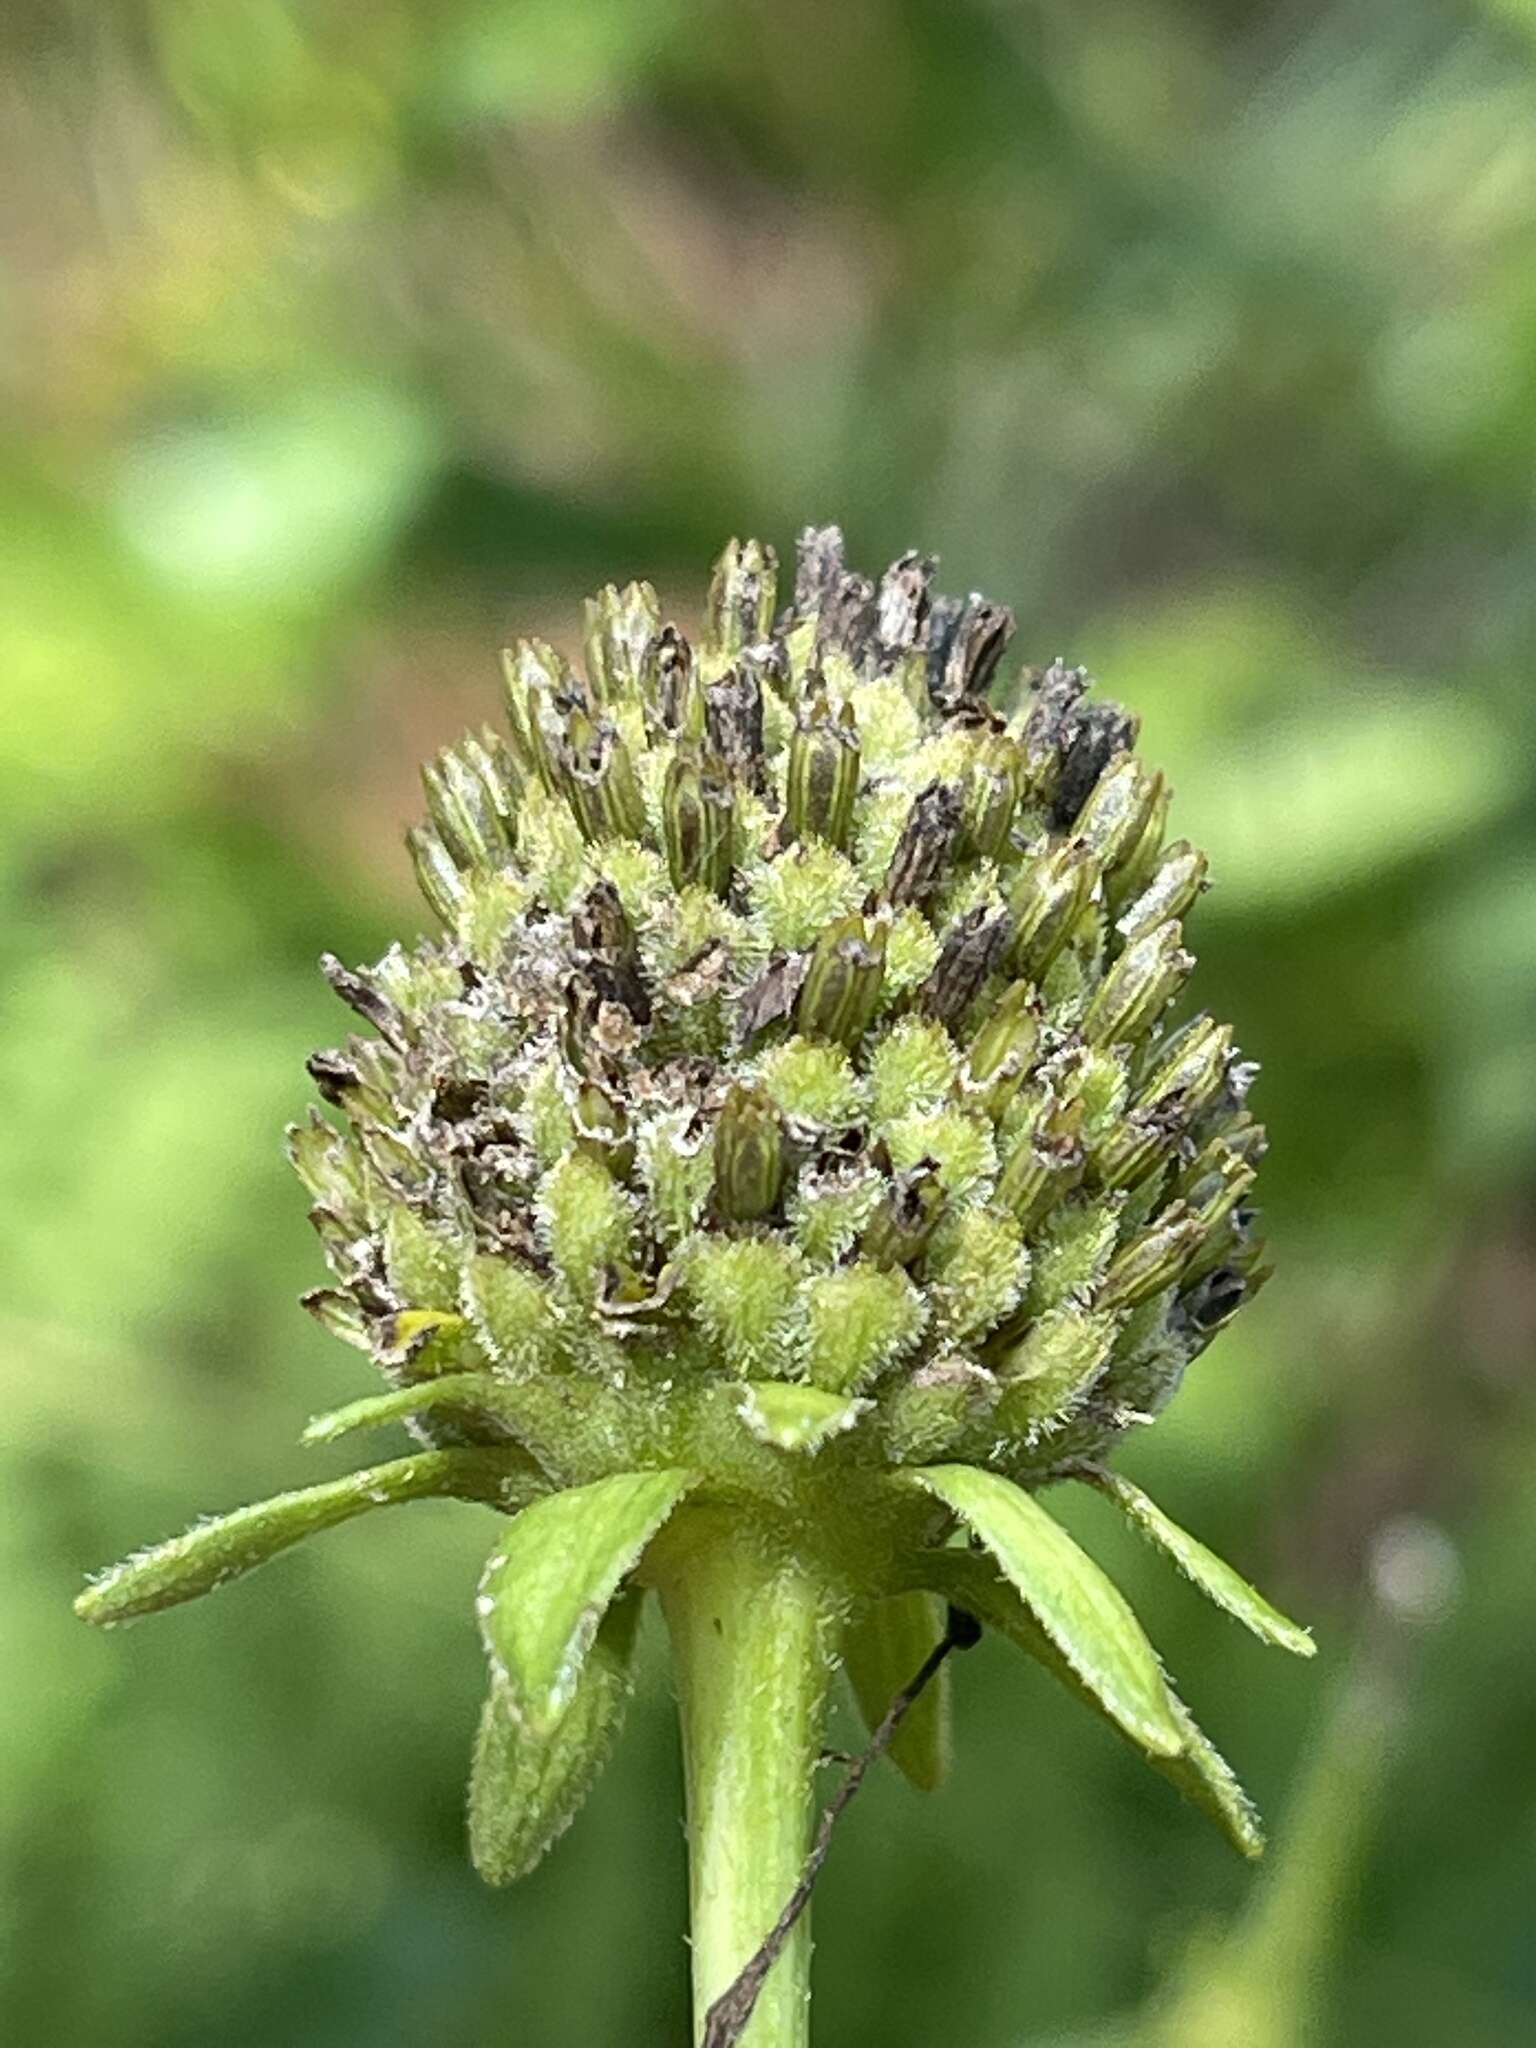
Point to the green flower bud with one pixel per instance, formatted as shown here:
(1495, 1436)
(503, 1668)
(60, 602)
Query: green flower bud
(437, 875)
(842, 983)
(698, 813)
(604, 793)
(823, 774)
(327, 1162)
(602, 1129)
(1138, 988)
(928, 1414)
(1142, 1141)
(1216, 1194)
(467, 807)
(741, 596)
(788, 1101)
(1118, 811)
(1046, 1373)
(1048, 899)
(990, 794)
(1003, 1050)
(1139, 862)
(620, 625)
(1171, 890)
(1193, 1071)
(535, 678)
(1044, 1166)
(749, 1156)
(1244, 1140)
(1217, 1197)
(1152, 1261)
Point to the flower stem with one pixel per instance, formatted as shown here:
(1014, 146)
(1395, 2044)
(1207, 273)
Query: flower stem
(752, 1644)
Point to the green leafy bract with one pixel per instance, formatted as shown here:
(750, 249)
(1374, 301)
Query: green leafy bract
(212, 1553)
(548, 1583)
(1212, 1574)
(1196, 1769)
(527, 1786)
(1080, 1609)
(474, 1392)
(795, 1418)
(884, 1648)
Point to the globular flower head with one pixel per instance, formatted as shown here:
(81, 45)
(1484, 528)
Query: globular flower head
(796, 1110)
(800, 1021)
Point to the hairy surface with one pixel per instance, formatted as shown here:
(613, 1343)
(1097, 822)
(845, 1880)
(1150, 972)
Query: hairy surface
(795, 1065)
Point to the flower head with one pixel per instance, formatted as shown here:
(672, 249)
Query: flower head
(791, 1119)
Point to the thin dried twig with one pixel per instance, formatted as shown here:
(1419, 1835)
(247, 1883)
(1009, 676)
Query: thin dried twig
(727, 2018)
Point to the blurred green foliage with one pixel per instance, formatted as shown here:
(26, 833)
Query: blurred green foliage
(338, 339)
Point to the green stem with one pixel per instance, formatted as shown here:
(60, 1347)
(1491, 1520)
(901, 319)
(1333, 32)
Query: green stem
(752, 1641)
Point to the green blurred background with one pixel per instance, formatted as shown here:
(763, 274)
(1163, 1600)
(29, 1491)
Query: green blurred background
(336, 343)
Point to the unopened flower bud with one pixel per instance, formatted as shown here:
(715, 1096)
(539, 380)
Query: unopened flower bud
(1118, 810)
(1193, 1069)
(1153, 1260)
(1219, 1190)
(1048, 1369)
(823, 776)
(842, 983)
(1044, 1166)
(604, 792)
(1050, 896)
(780, 1107)
(353, 1080)
(533, 676)
(926, 1413)
(602, 1129)
(620, 625)
(1245, 1140)
(990, 796)
(1139, 862)
(698, 813)
(1138, 988)
(1140, 1142)
(749, 1156)
(465, 808)
(1171, 890)
(436, 874)
(1003, 1050)
(741, 596)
